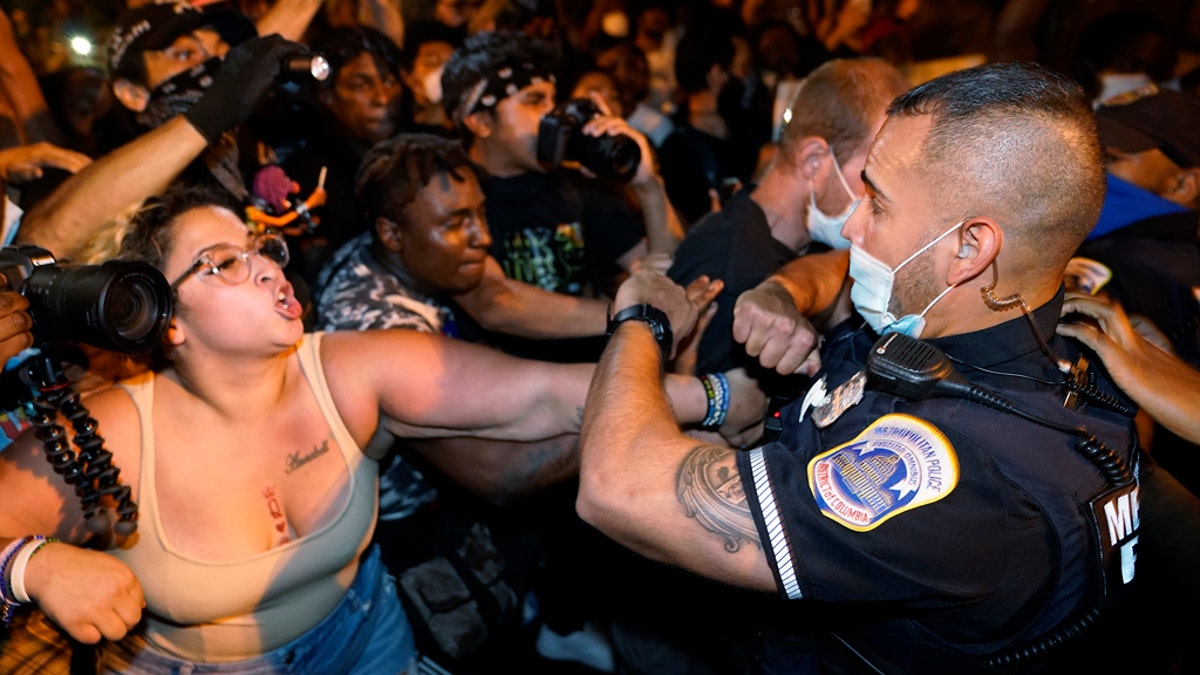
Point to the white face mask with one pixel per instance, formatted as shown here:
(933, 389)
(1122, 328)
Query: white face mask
(433, 85)
(823, 227)
(871, 292)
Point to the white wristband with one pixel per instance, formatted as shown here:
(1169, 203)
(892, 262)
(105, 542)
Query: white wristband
(16, 578)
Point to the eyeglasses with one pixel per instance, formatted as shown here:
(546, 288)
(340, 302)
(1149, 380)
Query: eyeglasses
(231, 264)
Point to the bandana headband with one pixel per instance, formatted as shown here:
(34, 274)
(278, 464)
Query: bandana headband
(510, 78)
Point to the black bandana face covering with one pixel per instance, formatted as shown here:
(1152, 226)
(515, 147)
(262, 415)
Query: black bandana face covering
(177, 94)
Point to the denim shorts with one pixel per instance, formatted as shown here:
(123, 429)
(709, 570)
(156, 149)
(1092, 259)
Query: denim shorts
(367, 632)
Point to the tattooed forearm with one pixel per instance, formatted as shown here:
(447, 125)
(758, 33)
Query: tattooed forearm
(544, 464)
(710, 490)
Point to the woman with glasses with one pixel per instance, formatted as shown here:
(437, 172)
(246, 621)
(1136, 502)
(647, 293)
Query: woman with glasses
(252, 454)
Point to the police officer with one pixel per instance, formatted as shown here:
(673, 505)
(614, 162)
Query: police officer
(925, 526)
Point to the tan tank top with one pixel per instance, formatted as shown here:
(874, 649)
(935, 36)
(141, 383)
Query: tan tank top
(232, 610)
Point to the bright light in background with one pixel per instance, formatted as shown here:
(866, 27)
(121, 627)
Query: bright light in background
(81, 46)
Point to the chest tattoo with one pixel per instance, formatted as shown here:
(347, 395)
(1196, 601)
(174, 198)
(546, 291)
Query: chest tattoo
(280, 518)
(297, 460)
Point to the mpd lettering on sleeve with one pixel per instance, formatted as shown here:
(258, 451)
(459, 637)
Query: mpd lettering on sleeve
(896, 464)
(1117, 521)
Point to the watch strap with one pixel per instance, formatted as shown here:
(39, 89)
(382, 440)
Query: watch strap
(660, 324)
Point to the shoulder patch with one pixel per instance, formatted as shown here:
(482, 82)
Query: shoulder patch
(896, 464)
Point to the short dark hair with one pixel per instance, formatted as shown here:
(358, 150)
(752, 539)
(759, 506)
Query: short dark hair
(481, 55)
(342, 44)
(422, 31)
(394, 171)
(1019, 140)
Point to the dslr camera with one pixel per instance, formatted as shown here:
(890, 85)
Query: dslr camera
(122, 306)
(561, 139)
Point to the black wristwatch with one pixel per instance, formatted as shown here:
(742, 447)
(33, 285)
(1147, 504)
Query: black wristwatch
(652, 316)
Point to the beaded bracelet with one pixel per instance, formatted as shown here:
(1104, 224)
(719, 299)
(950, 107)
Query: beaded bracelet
(16, 580)
(7, 602)
(716, 388)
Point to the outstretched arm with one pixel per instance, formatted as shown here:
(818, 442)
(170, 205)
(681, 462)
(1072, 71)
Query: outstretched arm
(502, 472)
(417, 385)
(88, 200)
(19, 89)
(514, 307)
(104, 189)
(642, 481)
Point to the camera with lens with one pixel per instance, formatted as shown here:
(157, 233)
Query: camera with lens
(122, 306)
(561, 139)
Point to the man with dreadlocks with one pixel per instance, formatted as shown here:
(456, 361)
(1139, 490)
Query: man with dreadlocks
(423, 265)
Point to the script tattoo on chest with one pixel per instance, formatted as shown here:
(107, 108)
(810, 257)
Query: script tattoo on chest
(297, 460)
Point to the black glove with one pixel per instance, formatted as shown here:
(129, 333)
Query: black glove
(246, 76)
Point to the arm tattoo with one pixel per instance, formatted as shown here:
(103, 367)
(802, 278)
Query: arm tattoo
(710, 489)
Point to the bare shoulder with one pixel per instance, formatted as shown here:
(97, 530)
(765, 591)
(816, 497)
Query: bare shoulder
(117, 416)
(364, 368)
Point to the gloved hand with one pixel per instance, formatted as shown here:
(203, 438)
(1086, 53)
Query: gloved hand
(246, 76)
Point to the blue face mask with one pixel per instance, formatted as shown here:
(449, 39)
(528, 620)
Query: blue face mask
(872, 291)
(823, 227)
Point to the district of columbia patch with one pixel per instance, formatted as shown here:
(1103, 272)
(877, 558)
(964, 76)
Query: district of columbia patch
(896, 464)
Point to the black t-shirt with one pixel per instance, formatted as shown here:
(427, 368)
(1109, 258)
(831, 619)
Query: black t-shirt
(560, 231)
(563, 233)
(734, 245)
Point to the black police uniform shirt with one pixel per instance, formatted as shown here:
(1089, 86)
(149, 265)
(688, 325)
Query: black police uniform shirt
(961, 524)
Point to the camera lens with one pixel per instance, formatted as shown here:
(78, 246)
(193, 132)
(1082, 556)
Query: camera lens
(614, 157)
(121, 306)
(128, 307)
